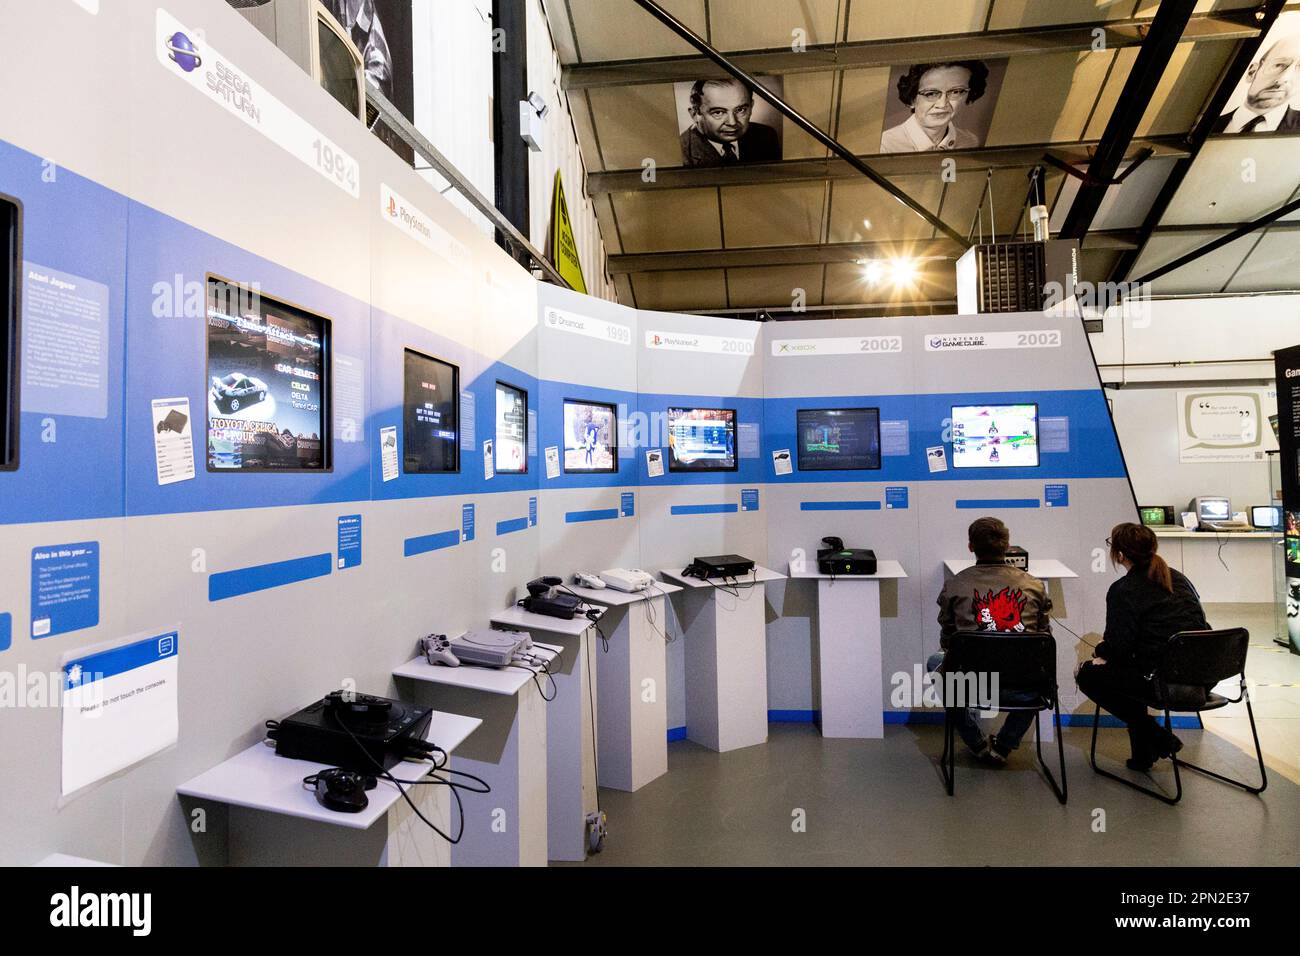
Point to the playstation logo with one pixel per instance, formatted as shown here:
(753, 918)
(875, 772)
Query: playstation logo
(182, 52)
(392, 207)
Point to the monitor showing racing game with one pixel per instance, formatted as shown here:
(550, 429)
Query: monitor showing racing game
(268, 383)
(590, 437)
(702, 439)
(838, 439)
(431, 416)
(995, 436)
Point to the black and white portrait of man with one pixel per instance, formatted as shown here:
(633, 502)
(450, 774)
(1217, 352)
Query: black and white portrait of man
(722, 123)
(1264, 101)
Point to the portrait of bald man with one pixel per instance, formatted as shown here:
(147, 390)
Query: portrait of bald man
(722, 131)
(1270, 87)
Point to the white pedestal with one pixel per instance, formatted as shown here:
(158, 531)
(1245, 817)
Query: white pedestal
(726, 660)
(508, 826)
(570, 736)
(848, 628)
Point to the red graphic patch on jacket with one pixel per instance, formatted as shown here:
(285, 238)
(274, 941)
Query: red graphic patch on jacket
(1000, 611)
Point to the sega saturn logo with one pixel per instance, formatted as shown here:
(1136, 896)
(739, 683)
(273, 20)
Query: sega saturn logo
(182, 52)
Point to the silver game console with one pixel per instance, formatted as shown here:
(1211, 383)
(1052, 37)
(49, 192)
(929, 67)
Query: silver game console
(630, 580)
(489, 648)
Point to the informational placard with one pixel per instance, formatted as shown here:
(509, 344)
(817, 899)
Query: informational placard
(627, 504)
(65, 588)
(119, 707)
(349, 553)
(841, 345)
(349, 399)
(748, 499)
(781, 461)
(532, 433)
(468, 440)
(173, 440)
(747, 440)
(553, 461)
(532, 512)
(691, 342)
(976, 341)
(1221, 425)
(65, 343)
(936, 458)
(1056, 496)
(571, 322)
(654, 463)
(489, 461)
(467, 523)
(895, 439)
(1054, 434)
(388, 452)
(896, 498)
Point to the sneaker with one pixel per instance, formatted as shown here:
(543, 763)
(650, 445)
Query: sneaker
(1000, 751)
(1166, 744)
(980, 752)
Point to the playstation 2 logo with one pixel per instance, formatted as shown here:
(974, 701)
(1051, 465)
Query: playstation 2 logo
(392, 207)
(182, 51)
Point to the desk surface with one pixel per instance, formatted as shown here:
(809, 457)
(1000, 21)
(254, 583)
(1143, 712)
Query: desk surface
(760, 576)
(505, 681)
(258, 779)
(884, 570)
(612, 597)
(1044, 569)
(526, 620)
(1219, 536)
(64, 860)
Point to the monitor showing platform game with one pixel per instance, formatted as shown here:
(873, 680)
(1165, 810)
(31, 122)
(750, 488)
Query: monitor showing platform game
(995, 436)
(838, 439)
(511, 447)
(590, 437)
(431, 416)
(702, 439)
(268, 382)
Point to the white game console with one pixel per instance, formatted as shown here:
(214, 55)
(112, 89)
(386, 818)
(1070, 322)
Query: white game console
(630, 580)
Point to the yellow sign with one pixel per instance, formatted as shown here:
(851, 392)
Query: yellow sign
(564, 248)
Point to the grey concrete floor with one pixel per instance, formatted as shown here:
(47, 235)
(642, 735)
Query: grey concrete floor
(882, 802)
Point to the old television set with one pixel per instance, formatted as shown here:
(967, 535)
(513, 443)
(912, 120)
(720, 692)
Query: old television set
(995, 436)
(838, 439)
(590, 437)
(702, 439)
(1156, 516)
(10, 320)
(1211, 508)
(1266, 517)
(268, 369)
(430, 415)
(510, 449)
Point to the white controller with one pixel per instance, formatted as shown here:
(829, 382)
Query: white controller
(437, 650)
(586, 579)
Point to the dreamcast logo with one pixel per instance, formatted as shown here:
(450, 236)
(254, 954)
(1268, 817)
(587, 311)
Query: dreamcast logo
(182, 52)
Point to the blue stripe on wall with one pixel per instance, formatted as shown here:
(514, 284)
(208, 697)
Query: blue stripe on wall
(986, 504)
(228, 584)
(600, 514)
(915, 717)
(676, 733)
(511, 525)
(425, 543)
(839, 506)
(704, 509)
(6, 630)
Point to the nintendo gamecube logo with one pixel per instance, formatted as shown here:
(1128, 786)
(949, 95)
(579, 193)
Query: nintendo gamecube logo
(182, 51)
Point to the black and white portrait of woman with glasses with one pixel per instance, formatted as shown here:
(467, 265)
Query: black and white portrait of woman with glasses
(937, 94)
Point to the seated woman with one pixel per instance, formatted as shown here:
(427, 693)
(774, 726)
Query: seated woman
(1147, 606)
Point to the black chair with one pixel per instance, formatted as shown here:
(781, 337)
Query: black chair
(1189, 667)
(1024, 663)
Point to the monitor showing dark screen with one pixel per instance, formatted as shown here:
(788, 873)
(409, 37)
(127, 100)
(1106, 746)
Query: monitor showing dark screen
(10, 313)
(838, 439)
(268, 383)
(431, 416)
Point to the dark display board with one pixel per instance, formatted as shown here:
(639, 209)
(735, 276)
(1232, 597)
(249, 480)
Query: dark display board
(431, 416)
(1287, 364)
(701, 439)
(838, 439)
(268, 383)
(590, 437)
(11, 281)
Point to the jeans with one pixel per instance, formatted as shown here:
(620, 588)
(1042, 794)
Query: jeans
(1121, 690)
(1014, 728)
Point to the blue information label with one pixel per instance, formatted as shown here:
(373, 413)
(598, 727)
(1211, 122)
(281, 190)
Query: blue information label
(627, 505)
(532, 512)
(467, 523)
(6, 630)
(349, 541)
(896, 497)
(1056, 496)
(65, 588)
(748, 499)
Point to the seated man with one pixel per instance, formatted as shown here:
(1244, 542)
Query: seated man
(991, 596)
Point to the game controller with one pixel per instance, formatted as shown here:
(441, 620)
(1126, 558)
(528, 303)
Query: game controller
(437, 650)
(341, 790)
(586, 579)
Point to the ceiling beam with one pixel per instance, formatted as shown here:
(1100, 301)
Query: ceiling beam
(1234, 233)
(1117, 34)
(887, 164)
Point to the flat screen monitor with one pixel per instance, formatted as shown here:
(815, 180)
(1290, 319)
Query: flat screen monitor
(995, 436)
(511, 446)
(1212, 508)
(1266, 517)
(431, 415)
(11, 258)
(701, 439)
(268, 383)
(838, 439)
(590, 437)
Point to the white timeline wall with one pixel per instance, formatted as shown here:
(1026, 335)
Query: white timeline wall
(141, 185)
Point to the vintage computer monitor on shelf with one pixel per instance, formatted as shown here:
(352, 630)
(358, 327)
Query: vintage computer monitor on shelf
(1266, 517)
(1214, 513)
(1156, 516)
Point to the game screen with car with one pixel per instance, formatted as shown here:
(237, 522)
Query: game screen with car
(431, 421)
(512, 430)
(701, 439)
(268, 387)
(838, 439)
(995, 436)
(590, 438)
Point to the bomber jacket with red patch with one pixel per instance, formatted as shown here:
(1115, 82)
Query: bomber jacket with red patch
(993, 596)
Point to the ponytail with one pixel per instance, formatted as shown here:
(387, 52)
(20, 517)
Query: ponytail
(1137, 544)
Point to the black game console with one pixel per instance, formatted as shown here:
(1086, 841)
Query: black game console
(837, 559)
(543, 598)
(342, 728)
(1018, 557)
(719, 566)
